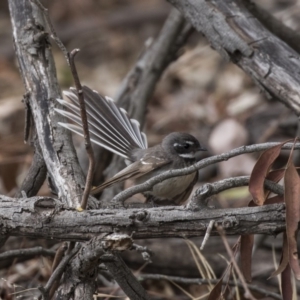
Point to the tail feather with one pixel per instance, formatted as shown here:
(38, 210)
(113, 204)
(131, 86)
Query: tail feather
(111, 114)
(109, 125)
(95, 124)
(95, 138)
(101, 121)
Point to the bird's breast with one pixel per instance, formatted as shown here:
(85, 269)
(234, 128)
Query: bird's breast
(172, 187)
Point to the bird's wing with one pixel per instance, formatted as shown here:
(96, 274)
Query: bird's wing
(134, 170)
(109, 125)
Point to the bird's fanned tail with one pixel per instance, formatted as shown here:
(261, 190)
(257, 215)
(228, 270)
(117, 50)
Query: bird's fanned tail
(109, 125)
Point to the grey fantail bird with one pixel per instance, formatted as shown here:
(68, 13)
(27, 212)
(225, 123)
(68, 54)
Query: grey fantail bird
(111, 128)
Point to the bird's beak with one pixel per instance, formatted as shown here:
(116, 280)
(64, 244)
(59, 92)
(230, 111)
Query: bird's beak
(198, 153)
(201, 148)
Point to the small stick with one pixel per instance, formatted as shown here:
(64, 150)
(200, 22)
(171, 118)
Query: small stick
(207, 233)
(86, 134)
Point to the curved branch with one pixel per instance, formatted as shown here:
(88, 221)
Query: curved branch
(203, 193)
(147, 185)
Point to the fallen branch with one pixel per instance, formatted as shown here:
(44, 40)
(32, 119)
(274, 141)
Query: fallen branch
(31, 218)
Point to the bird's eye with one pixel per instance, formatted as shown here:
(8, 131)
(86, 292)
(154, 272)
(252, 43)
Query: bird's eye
(186, 146)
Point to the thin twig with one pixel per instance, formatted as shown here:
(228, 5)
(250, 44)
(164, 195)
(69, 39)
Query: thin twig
(86, 134)
(59, 270)
(59, 255)
(147, 185)
(248, 294)
(57, 259)
(26, 253)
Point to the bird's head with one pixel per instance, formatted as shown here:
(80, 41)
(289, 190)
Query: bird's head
(182, 144)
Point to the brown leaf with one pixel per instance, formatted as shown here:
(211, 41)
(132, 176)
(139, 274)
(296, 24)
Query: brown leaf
(215, 293)
(260, 171)
(276, 175)
(284, 258)
(292, 202)
(286, 283)
(246, 255)
(274, 200)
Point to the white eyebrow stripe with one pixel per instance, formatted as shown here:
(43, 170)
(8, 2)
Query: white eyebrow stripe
(186, 142)
(187, 155)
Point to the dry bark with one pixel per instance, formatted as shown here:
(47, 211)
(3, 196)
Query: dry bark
(38, 72)
(237, 35)
(32, 218)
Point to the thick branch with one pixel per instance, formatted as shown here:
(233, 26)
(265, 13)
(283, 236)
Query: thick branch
(30, 218)
(236, 34)
(80, 275)
(38, 72)
(287, 34)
